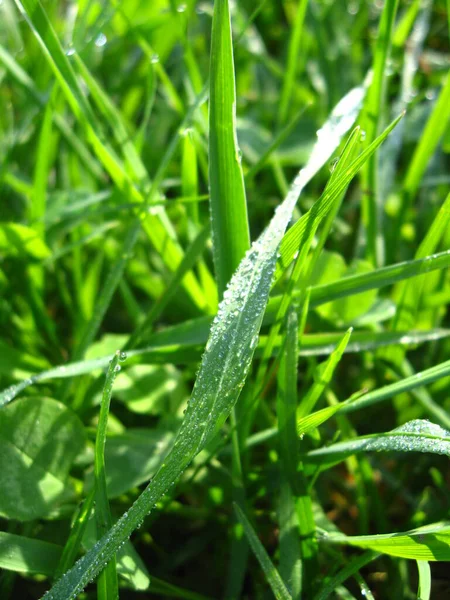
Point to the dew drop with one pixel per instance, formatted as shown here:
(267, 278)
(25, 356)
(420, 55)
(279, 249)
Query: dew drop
(100, 40)
(154, 58)
(333, 164)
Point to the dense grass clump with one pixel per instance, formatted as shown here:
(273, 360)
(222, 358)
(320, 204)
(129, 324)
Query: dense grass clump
(224, 343)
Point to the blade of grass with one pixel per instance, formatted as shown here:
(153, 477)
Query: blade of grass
(73, 543)
(290, 565)
(434, 130)
(414, 436)
(231, 237)
(273, 577)
(229, 223)
(107, 584)
(374, 109)
(376, 279)
(322, 377)
(292, 62)
(426, 543)
(424, 590)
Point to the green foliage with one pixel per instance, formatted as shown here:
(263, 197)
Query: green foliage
(257, 439)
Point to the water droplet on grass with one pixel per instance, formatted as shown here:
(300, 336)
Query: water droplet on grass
(100, 40)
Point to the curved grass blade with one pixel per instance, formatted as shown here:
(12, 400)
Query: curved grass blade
(426, 543)
(273, 577)
(222, 373)
(415, 436)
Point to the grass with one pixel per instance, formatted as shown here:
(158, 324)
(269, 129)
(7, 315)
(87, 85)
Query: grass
(255, 441)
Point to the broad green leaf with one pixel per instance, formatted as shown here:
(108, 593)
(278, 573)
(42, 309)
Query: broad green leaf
(272, 576)
(26, 555)
(426, 543)
(151, 389)
(39, 440)
(416, 436)
(21, 241)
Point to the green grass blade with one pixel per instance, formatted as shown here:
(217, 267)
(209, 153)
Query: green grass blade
(231, 237)
(323, 376)
(287, 400)
(226, 361)
(424, 590)
(292, 62)
(374, 109)
(426, 543)
(107, 585)
(411, 292)
(434, 130)
(42, 168)
(74, 541)
(415, 436)
(355, 284)
(273, 577)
